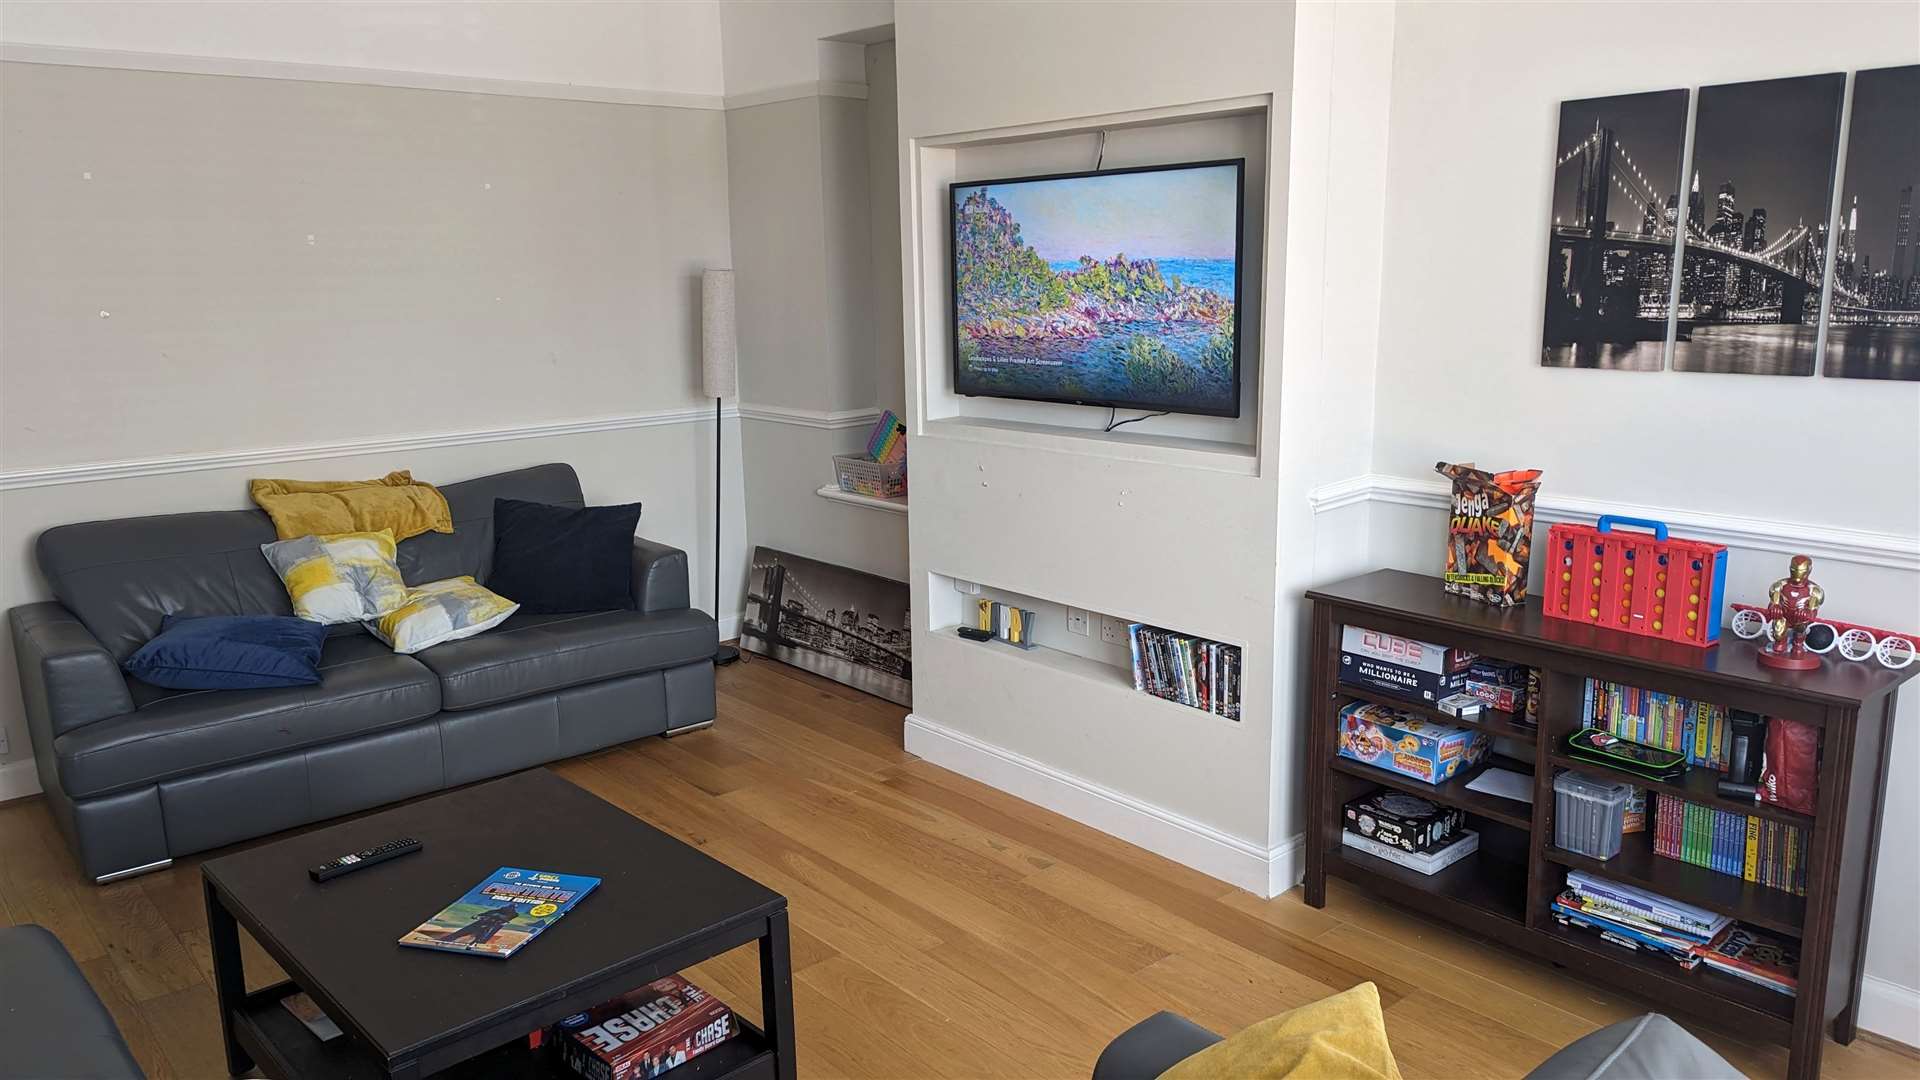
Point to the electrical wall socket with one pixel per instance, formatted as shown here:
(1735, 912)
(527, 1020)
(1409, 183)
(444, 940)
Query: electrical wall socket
(1113, 631)
(969, 588)
(3, 742)
(1077, 621)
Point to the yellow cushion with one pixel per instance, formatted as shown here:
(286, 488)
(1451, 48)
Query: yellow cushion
(1342, 1037)
(395, 502)
(442, 611)
(345, 577)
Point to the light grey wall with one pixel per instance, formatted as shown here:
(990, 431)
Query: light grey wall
(294, 262)
(288, 264)
(883, 193)
(814, 198)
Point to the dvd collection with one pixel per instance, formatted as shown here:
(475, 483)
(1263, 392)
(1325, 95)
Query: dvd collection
(1195, 672)
(1645, 921)
(1760, 850)
(1653, 718)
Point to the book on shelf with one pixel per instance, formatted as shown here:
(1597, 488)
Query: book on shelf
(1661, 910)
(1747, 846)
(1771, 960)
(1654, 718)
(1195, 672)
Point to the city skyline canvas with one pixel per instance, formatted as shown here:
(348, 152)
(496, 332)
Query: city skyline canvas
(1873, 318)
(1116, 288)
(1616, 174)
(1755, 239)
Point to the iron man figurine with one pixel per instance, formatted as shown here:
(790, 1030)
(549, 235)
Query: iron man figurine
(1793, 603)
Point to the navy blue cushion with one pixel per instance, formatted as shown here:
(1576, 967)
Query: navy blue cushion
(554, 560)
(230, 652)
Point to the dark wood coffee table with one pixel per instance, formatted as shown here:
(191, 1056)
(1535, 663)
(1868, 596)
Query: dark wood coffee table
(661, 906)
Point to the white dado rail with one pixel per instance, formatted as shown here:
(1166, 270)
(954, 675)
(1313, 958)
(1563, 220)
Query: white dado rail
(1889, 550)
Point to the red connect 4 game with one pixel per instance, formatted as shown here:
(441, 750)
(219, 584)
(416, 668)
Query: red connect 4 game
(1655, 585)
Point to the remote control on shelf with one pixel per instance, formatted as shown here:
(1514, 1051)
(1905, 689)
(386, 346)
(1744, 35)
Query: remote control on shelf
(347, 864)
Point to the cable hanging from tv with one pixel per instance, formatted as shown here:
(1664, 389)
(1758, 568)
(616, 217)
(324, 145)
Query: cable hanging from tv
(1112, 423)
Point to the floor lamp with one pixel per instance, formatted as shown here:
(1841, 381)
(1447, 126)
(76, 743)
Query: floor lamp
(719, 378)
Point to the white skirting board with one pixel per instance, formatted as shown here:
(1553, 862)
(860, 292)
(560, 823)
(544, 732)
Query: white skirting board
(1889, 1009)
(18, 779)
(1261, 871)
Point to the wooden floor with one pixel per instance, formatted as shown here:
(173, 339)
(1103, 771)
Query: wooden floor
(940, 928)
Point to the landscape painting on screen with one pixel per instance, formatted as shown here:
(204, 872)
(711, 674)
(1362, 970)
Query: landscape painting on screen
(1755, 244)
(1117, 288)
(1873, 318)
(1616, 204)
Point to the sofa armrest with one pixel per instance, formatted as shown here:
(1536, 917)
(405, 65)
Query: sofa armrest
(67, 678)
(659, 577)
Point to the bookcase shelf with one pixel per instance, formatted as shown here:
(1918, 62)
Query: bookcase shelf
(1506, 890)
(1696, 785)
(1637, 864)
(1454, 792)
(1492, 721)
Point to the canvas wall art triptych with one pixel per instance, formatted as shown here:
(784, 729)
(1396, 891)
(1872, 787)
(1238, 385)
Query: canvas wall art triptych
(1730, 253)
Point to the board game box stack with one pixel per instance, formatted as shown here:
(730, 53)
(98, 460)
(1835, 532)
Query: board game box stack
(1746, 846)
(1407, 831)
(1652, 718)
(1195, 672)
(645, 1032)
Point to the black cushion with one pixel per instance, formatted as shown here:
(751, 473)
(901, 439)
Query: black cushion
(538, 654)
(51, 1023)
(561, 559)
(363, 687)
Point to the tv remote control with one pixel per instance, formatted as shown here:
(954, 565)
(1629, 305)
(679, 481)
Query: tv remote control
(359, 860)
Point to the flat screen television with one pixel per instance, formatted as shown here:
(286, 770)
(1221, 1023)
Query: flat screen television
(1118, 288)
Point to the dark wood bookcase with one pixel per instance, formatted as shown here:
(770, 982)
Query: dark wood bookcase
(1504, 889)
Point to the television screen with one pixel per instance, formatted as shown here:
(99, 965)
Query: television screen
(1117, 288)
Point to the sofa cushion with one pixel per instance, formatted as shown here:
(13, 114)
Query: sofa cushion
(564, 559)
(467, 551)
(536, 654)
(363, 687)
(231, 652)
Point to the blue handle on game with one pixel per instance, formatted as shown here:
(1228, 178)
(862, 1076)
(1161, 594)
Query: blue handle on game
(1608, 521)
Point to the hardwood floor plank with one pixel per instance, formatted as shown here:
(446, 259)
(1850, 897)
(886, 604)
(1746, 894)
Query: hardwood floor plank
(144, 949)
(130, 1017)
(187, 1024)
(1429, 1039)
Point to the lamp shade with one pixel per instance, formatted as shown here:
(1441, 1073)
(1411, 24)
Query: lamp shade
(719, 352)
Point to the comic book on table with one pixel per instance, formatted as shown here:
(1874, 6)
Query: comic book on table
(509, 908)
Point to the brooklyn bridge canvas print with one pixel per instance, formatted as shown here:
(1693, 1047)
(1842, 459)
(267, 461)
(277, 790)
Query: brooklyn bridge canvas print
(1873, 320)
(1616, 179)
(849, 626)
(1756, 236)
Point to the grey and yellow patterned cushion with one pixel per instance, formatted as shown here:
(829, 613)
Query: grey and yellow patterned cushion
(441, 611)
(340, 577)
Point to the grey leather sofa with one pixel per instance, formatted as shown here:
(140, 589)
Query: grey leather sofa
(137, 775)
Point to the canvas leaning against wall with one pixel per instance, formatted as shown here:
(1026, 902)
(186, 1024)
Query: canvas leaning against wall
(849, 626)
(1616, 183)
(1873, 318)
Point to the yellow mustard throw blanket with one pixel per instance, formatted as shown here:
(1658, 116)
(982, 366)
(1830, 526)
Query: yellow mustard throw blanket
(1343, 1037)
(396, 502)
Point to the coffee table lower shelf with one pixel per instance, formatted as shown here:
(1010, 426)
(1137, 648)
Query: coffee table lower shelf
(283, 1049)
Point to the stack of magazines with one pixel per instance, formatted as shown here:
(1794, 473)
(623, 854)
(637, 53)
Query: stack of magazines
(1639, 920)
(1756, 956)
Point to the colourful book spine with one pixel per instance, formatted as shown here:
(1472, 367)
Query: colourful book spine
(1750, 852)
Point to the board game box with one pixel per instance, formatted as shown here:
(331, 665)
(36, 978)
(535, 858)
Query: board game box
(1407, 822)
(1409, 745)
(505, 911)
(644, 1032)
(1414, 669)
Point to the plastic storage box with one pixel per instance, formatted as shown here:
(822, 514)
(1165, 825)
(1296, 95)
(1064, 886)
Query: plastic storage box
(1589, 816)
